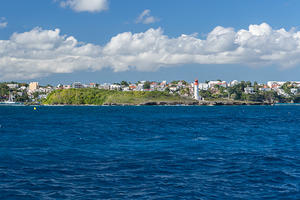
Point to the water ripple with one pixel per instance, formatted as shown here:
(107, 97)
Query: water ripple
(150, 153)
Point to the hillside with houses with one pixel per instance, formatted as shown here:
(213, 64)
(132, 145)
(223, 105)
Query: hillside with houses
(215, 90)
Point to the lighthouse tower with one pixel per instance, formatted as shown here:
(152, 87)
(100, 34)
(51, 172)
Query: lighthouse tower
(196, 90)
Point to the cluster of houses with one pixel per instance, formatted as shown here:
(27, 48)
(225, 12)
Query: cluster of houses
(35, 91)
(139, 86)
(276, 86)
(178, 86)
(269, 86)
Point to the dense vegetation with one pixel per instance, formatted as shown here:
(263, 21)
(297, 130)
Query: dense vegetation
(100, 97)
(4, 90)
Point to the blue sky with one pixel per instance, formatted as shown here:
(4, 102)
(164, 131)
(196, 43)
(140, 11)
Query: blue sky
(170, 19)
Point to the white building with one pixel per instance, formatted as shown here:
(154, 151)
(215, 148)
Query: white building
(233, 83)
(22, 88)
(173, 89)
(104, 86)
(133, 87)
(33, 86)
(115, 87)
(249, 90)
(67, 86)
(203, 86)
(281, 92)
(140, 87)
(153, 86)
(163, 83)
(275, 84)
(92, 85)
(265, 89)
(126, 89)
(296, 83)
(77, 85)
(12, 86)
(211, 84)
(180, 83)
(42, 96)
(294, 91)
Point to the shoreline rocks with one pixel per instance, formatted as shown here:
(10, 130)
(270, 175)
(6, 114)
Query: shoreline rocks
(195, 103)
(233, 103)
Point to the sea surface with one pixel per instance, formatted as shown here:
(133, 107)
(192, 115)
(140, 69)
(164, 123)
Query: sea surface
(168, 152)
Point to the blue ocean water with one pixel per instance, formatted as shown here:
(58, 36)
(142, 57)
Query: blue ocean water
(176, 152)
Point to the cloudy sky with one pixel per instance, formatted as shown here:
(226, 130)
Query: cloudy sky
(61, 41)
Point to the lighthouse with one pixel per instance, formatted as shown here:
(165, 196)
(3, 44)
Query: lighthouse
(196, 90)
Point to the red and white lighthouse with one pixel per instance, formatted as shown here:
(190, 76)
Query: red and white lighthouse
(196, 90)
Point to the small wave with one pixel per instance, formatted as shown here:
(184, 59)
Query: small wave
(201, 138)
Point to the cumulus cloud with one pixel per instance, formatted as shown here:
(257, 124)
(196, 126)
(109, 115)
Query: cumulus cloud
(146, 18)
(3, 22)
(39, 52)
(86, 5)
(259, 45)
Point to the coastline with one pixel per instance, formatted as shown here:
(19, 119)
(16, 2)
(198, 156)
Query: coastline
(77, 97)
(234, 103)
(164, 103)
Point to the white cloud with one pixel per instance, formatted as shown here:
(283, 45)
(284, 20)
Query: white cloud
(146, 18)
(3, 22)
(260, 45)
(39, 52)
(86, 5)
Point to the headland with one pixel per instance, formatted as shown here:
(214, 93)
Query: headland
(131, 98)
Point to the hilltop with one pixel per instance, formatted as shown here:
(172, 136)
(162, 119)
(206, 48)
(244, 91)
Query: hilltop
(94, 96)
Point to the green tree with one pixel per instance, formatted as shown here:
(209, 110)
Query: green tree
(4, 90)
(255, 86)
(184, 82)
(35, 95)
(147, 85)
(23, 98)
(124, 83)
(287, 88)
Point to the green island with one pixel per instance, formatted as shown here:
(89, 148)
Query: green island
(93, 96)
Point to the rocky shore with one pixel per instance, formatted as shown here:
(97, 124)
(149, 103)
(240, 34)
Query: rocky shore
(153, 103)
(232, 103)
(194, 103)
